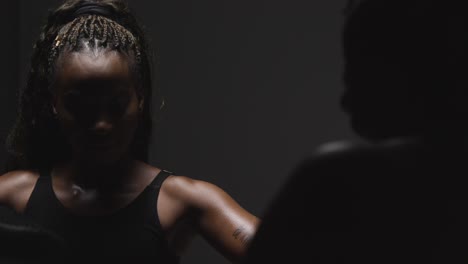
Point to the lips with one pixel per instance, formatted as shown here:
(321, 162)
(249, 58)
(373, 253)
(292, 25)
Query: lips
(102, 145)
(99, 141)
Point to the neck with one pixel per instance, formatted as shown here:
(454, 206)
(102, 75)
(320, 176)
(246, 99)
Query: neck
(103, 176)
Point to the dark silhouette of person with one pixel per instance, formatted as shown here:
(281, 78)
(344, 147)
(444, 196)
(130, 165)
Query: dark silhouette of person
(400, 196)
(78, 151)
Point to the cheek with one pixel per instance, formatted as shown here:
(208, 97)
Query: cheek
(129, 124)
(129, 121)
(67, 121)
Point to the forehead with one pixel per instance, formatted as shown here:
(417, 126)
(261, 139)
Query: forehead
(90, 70)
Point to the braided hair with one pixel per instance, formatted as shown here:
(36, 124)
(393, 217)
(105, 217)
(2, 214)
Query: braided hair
(35, 141)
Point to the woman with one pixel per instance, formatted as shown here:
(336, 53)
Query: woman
(79, 148)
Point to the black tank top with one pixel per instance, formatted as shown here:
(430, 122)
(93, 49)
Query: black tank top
(133, 234)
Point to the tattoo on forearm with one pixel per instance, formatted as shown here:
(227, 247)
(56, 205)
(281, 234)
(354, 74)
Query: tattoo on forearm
(241, 235)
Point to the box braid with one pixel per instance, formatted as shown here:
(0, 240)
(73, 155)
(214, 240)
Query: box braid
(35, 141)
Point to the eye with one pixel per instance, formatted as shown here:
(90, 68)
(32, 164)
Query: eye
(72, 101)
(78, 104)
(118, 105)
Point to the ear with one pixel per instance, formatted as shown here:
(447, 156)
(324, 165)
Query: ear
(54, 102)
(141, 103)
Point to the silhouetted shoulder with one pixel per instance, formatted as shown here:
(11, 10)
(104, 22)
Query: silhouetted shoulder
(345, 149)
(16, 187)
(357, 201)
(341, 158)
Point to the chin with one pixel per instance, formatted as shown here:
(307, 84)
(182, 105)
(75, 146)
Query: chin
(367, 131)
(102, 156)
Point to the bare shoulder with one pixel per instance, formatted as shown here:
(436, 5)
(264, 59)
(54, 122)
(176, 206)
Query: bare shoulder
(175, 188)
(193, 191)
(180, 186)
(17, 180)
(16, 187)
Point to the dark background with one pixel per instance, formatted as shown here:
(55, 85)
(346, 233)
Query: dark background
(252, 87)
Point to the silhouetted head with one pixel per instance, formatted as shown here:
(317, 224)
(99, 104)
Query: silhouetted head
(89, 89)
(405, 67)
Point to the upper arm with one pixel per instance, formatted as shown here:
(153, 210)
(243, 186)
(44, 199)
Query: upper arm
(16, 187)
(219, 218)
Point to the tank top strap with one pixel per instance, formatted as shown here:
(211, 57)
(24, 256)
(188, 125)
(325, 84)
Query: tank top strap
(42, 196)
(159, 179)
(44, 182)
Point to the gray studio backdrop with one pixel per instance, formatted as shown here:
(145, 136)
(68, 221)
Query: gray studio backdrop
(252, 87)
